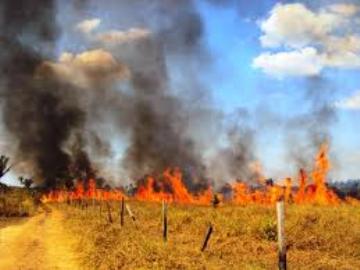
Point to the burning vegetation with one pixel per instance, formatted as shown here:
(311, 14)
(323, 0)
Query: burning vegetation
(170, 187)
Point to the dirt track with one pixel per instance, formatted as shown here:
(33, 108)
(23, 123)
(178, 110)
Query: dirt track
(39, 244)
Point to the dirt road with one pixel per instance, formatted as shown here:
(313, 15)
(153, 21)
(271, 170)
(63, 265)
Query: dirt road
(41, 243)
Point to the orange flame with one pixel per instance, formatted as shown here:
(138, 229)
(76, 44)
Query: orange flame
(92, 193)
(316, 193)
(171, 188)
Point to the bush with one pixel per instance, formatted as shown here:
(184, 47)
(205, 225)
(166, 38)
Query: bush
(268, 229)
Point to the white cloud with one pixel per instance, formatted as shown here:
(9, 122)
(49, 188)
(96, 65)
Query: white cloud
(114, 37)
(295, 26)
(87, 26)
(350, 43)
(111, 37)
(87, 68)
(304, 62)
(343, 60)
(345, 9)
(295, 31)
(350, 103)
(343, 52)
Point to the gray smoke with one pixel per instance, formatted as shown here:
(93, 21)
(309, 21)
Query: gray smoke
(146, 94)
(236, 158)
(306, 132)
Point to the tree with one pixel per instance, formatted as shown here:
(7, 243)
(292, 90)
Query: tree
(4, 165)
(27, 182)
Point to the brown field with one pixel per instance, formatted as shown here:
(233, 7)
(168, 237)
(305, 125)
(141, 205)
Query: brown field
(243, 238)
(73, 237)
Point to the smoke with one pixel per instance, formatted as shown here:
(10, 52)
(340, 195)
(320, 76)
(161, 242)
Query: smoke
(157, 119)
(236, 159)
(306, 132)
(136, 86)
(39, 111)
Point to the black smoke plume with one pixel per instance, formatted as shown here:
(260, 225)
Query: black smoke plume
(38, 111)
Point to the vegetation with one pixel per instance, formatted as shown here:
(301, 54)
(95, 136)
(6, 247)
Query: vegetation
(26, 182)
(243, 238)
(4, 165)
(16, 202)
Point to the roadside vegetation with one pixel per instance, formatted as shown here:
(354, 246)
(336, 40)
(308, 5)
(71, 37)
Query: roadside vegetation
(16, 202)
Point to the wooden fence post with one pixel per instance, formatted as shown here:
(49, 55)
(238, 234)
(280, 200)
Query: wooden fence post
(207, 237)
(280, 210)
(130, 212)
(122, 211)
(100, 208)
(164, 220)
(109, 212)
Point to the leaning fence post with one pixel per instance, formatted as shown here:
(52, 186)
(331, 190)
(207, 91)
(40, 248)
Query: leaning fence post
(207, 237)
(280, 210)
(164, 220)
(127, 206)
(122, 211)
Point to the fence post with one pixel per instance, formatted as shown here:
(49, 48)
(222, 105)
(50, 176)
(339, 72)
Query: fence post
(122, 211)
(130, 212)
(100, 204)
(132, 216)
(109, 212)
(164, 220)
(280, 210)
(207, 237)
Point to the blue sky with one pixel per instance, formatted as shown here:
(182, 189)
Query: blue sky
(266, 63)
(233, 35)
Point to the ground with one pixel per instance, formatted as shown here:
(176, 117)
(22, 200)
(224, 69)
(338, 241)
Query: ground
(39, 243)
(244, 237)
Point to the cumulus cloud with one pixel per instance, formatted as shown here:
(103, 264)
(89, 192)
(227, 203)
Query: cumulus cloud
(345, 60)
(343, 52)
(304, 62)
(294, 31)
(111, 37)
(88, 26)
(294, 25)
(345, 9)
(349, 43)
(114, 37)
(87, 68)
(350, 103)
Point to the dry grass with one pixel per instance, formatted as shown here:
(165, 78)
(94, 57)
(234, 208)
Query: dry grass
(16, 202)
(243, 238)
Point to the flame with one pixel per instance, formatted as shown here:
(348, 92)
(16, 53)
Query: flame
(300, 195)
(170, 187)
(322, 194)
(316, 193)
(80, 193)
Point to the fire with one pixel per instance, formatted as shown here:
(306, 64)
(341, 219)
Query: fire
(316, 193)
(80, 193)
(170, 187)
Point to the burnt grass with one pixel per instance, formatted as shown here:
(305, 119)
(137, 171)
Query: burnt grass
(244, 237)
